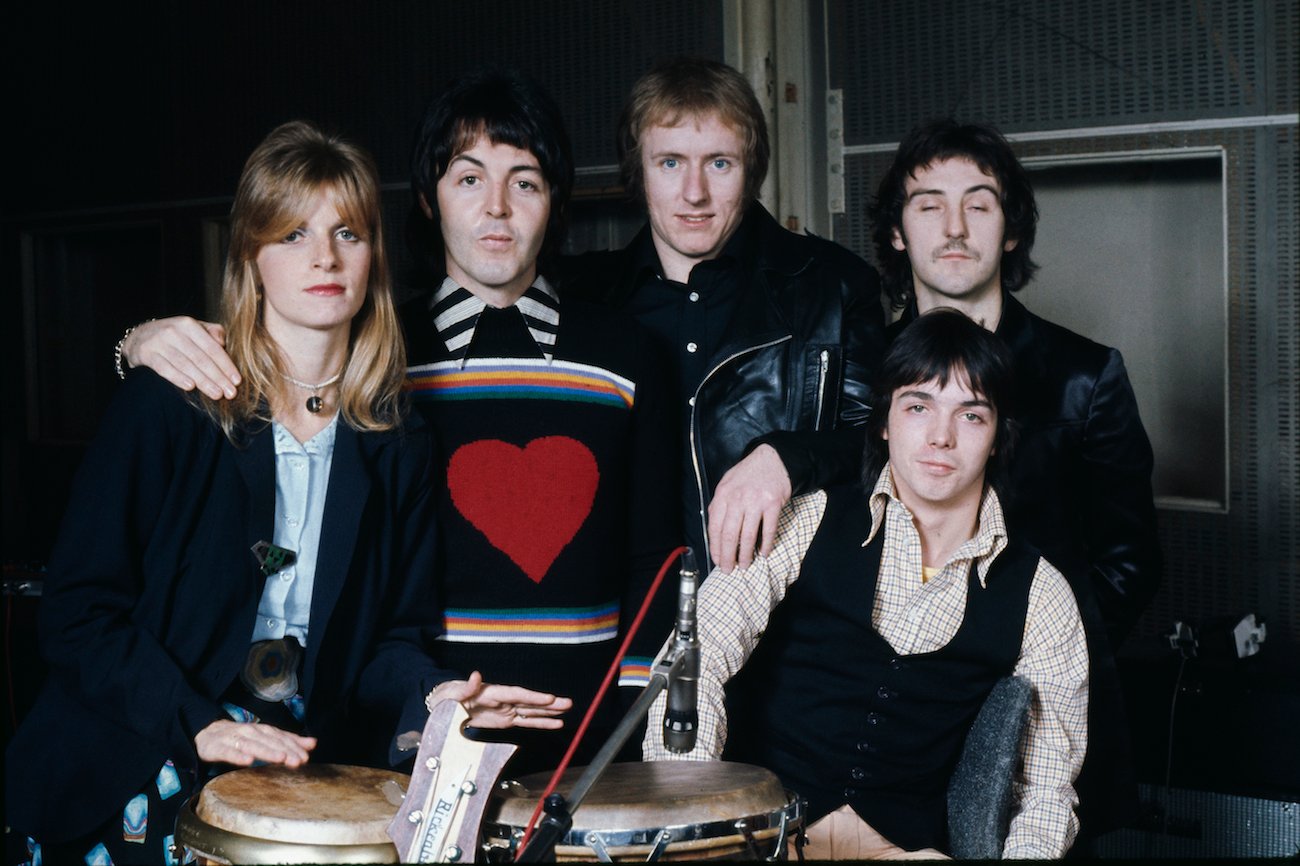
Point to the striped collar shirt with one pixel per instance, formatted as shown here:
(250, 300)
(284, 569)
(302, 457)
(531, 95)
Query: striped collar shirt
(456, 312)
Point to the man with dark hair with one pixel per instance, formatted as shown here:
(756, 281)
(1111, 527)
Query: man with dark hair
(558, 506)
(772, 336)
(954, 224)
(880, 623)
(559, 502)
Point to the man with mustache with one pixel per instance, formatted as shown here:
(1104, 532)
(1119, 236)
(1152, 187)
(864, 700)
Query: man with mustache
(954, 223)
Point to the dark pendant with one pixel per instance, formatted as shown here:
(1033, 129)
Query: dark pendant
(314, 404)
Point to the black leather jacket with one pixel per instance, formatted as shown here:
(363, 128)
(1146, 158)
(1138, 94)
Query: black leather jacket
(795, 366)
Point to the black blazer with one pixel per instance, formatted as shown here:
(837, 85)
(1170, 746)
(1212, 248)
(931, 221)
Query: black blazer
(149, 604)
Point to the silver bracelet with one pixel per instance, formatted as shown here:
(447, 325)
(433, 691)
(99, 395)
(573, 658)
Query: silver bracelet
(117, 350)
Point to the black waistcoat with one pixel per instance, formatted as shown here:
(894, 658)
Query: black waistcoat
(827, 705)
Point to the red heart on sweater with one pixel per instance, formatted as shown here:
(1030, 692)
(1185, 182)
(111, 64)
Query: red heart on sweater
(528, 502)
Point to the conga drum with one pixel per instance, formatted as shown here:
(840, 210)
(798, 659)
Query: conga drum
(318, 813)
(665, 810)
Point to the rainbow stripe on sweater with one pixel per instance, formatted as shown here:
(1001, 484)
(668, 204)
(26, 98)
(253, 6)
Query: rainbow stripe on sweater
(531, 624)
(520, 379)
(634, 671)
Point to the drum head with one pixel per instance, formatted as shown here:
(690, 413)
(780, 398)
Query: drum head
(698, 803)
(319, 813)
(320, 804)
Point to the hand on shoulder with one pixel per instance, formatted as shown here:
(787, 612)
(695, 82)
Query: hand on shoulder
(186, 352)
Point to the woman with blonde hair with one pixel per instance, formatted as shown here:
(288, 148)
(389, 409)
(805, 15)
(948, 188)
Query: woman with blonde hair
(241, 580)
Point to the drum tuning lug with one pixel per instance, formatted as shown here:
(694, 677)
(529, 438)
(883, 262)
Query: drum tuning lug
(468, 788)
(432, 763)
(415, 817)
(597, 845)
(750, 842)
(453, 854)
(661, 844)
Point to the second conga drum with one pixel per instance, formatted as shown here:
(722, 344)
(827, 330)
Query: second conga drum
(667, 810)
(318, 813)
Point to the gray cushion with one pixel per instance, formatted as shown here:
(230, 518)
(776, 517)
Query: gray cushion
(979, 793)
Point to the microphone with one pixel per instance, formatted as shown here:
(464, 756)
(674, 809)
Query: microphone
(682, 715)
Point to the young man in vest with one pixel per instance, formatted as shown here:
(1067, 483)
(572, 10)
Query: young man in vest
(884, 616)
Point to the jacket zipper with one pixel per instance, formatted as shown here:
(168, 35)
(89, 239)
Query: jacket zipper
(695, 461)
(821, 387)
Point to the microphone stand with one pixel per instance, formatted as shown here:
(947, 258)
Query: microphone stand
(558, 812)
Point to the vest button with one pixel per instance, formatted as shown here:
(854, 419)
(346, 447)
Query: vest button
(884, 693)
(896, 665)
(850, 793)
(873, 718)
(864, 746)
(858, 774)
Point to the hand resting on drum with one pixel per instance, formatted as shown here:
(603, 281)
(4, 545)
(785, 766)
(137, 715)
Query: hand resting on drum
(242, 743)
(495, 706)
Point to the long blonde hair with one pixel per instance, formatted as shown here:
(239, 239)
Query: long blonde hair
(282, 176)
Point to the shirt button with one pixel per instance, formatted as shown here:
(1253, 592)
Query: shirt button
(694, 296)
(293, 521)
(692, 348)
(270, 623)
(286, 576)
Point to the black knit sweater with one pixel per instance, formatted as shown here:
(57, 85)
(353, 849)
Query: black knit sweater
(558, 507)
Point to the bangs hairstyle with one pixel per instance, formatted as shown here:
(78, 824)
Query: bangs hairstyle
(937, 141)
(692, 87)
(507, 107)
(940, 345)
(276, 192)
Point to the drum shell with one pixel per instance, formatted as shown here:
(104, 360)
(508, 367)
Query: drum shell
(318, 813)
(697, 804)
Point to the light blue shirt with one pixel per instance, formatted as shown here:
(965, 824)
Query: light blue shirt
(302, 473)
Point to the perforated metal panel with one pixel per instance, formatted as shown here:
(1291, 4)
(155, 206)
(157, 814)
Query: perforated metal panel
(1058, 65)
(1201, 824)
(1288, 354)
(1284, 29)
(1046, 64)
